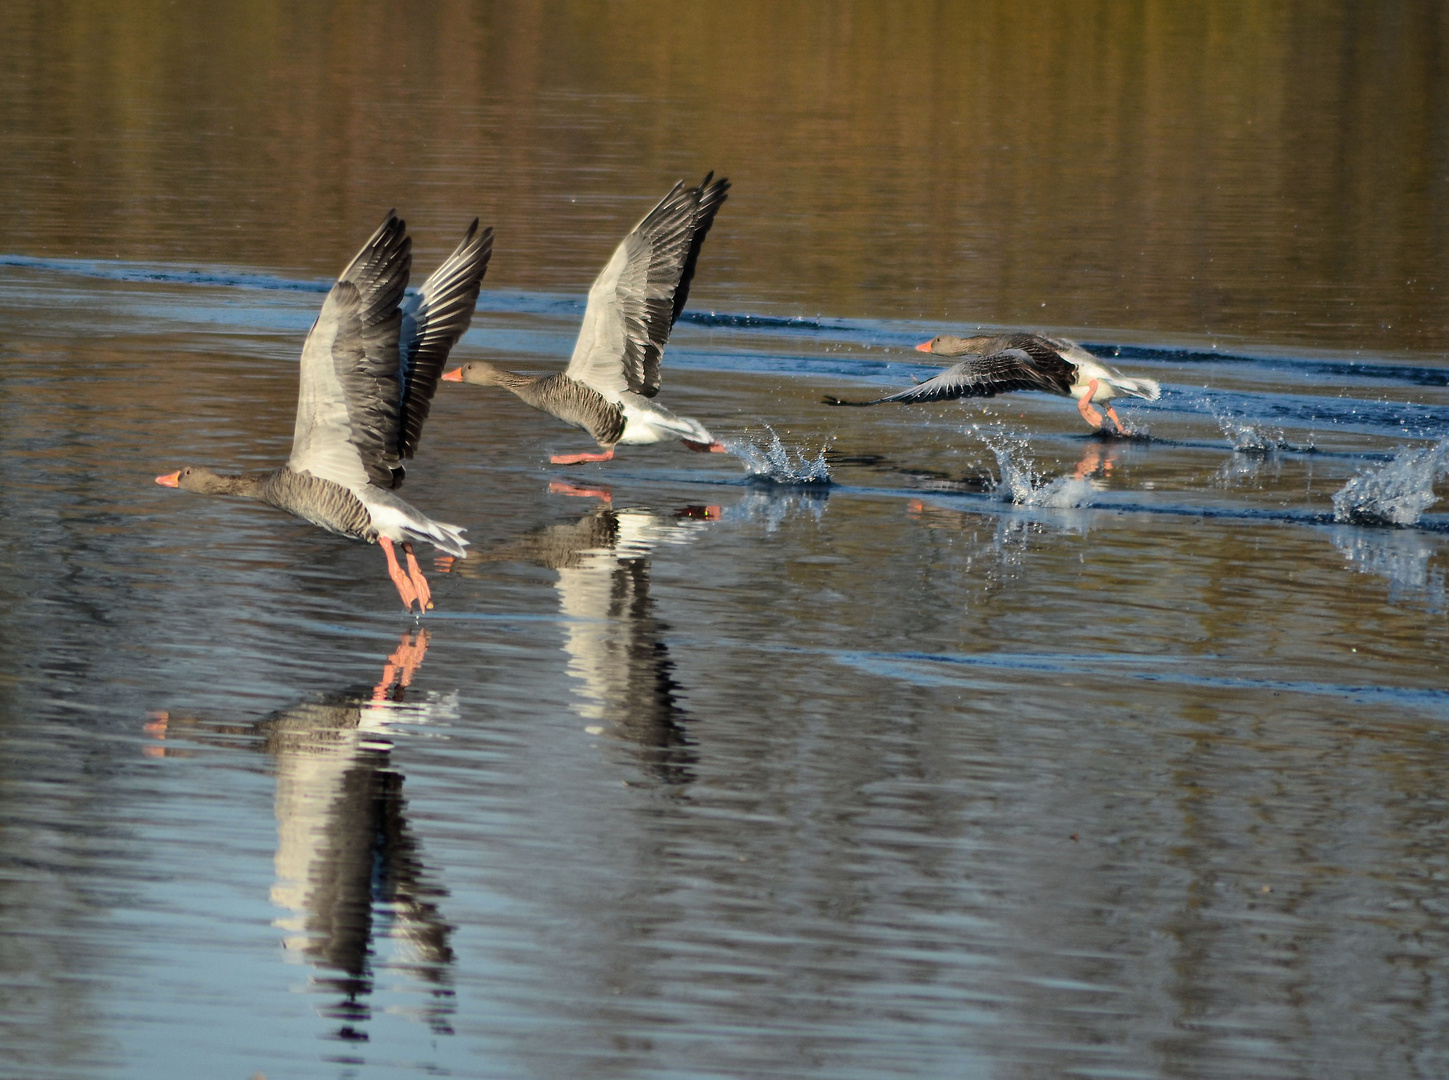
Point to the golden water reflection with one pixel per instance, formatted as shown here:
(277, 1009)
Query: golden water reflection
(1261, 172)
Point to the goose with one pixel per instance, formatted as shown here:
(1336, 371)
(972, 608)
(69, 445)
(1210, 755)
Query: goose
(998, 365)
(370, 365)
(613, 375)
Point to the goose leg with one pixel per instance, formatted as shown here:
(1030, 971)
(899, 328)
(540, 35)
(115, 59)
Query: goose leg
(404, 586)
(420, 583)
(705, 448)
(574, 459)
(1084, 406)
(1116, 420)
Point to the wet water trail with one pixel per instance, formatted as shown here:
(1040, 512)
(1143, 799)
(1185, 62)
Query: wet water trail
(947, 740)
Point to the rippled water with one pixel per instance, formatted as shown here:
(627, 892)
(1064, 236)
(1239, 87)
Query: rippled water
(947, 741)
(921, 770)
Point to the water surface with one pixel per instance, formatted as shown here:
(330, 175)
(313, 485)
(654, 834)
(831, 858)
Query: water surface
(1012, 751)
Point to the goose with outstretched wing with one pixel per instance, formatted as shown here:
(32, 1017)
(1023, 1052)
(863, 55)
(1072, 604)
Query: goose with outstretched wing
(612, 378)
(370, 365)
(1008, 362)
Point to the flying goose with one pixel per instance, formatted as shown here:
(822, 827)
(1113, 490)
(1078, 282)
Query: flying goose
(613, 375)
(369, 367)
(998, 365)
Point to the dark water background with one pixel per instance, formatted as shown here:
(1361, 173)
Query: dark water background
(1014, 752)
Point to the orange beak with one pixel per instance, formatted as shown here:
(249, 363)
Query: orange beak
(170, 479)
(456, 375)
(924, 346)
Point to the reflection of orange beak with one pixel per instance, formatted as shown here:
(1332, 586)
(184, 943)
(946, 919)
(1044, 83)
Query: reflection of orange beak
(170, 479)
(924, 346)
(456, 375)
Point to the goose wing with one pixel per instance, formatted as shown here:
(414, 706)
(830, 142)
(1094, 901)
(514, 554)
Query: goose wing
(987, 376)
(432, 322)
(711, 197)
(348, 404)
(636, 298)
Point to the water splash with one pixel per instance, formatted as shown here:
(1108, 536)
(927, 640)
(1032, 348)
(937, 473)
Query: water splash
(1245, 437)
(1022, 485)
(778, 463)
(1397, 493)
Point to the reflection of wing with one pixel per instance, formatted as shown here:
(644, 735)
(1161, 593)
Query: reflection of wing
(616, 643)
(347, 863)
(346, 858)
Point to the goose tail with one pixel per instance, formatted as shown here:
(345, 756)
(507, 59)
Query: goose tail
(441, 535)
(1143, 388)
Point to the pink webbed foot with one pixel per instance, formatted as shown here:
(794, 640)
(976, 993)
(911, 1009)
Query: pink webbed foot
(420, 583)
(705, 448)
(405, 587)
(1121, 429)
(576, 459)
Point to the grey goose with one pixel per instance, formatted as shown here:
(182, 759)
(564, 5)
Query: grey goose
(1007, 362)
(369, 368)
(612, 377)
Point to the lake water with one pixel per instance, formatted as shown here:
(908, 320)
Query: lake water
(1012, 750)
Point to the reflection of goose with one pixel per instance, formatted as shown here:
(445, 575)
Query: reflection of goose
(613, 375)
(998, 365)
(347, 863)
(614, 639)
(369, 367)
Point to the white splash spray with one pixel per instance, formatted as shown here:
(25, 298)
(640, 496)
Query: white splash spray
(778, 463)
(1396, 493)
(1021, 484)
(1247, 438)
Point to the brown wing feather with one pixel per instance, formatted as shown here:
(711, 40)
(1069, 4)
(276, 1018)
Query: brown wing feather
(711, 198)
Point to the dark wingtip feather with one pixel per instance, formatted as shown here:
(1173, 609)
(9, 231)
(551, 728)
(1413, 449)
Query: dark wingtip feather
(709, 198)
(453, 290)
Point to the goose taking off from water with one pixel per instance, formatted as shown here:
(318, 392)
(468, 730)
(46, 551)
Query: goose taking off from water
(998, 365)
(608, 387)
(369, 367)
